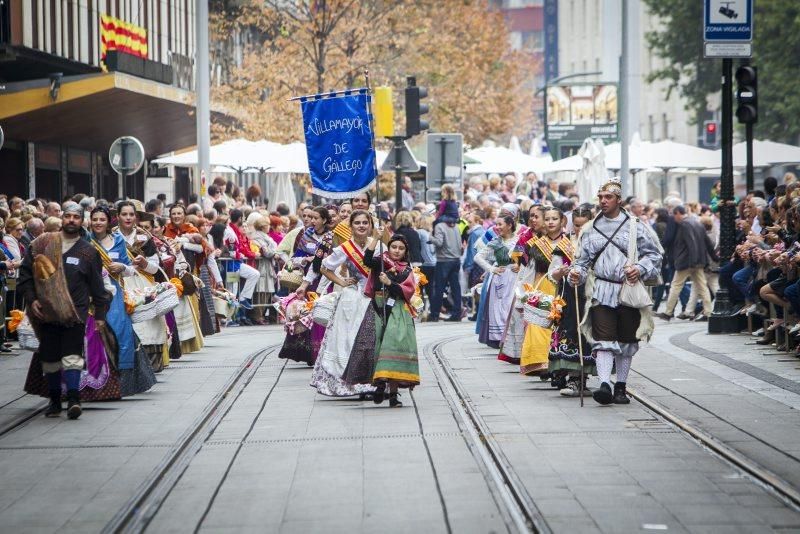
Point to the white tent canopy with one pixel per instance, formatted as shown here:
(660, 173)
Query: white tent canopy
(501, 159)
(643, 155)
(236, 154)
(765, 154)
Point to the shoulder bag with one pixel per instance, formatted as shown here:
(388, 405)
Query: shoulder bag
(634, 295)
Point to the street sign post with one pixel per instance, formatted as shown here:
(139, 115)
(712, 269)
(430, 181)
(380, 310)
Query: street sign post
(445, 159)
(408, 163)
(728, 28)
(126, 157)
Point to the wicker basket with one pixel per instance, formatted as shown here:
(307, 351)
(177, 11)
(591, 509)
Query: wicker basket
(290, 280)
(26, 336)
(324, 307)
(536, 316)
(165, 302)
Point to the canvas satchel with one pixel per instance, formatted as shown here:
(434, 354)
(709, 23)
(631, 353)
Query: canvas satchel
(634, 295)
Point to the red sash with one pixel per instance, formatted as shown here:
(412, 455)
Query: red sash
(356, 256)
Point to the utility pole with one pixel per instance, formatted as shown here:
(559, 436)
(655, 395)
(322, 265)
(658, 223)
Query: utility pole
(202, 89)
(624, 103)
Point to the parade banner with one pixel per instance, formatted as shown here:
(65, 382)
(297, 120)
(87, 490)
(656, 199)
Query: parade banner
(339, 143)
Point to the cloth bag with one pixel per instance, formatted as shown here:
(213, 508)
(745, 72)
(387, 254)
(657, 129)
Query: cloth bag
(634, 295)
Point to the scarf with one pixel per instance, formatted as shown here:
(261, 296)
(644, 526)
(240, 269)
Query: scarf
(171, 231)
(399, 272)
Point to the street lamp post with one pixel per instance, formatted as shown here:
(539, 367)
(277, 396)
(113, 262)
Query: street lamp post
(723, 320)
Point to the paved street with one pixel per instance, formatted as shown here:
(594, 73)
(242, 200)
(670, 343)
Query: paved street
(275, 457)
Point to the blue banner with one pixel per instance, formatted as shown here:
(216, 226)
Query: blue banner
(341, 155)
(550, 40)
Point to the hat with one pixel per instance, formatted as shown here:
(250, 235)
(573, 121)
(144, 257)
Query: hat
(141, 214)
(613, 186)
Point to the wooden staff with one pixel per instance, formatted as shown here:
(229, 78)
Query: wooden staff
(580, 339)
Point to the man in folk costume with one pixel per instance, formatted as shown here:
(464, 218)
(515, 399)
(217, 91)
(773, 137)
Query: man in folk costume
(238, 245)
(614, 330)
(60, 276)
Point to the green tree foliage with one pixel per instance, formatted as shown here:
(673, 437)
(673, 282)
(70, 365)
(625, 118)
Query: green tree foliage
(776, 53)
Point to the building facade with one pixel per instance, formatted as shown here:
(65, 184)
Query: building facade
(589, 40)
(77, 74)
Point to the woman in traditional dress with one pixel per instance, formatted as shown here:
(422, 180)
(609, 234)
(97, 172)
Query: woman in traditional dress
(564, 356)
(495, 259)
(514, 336)
(536, 345)
(267, 281)
(135, 373)
(391, 286)
(310, 248)
(167, 260)
(345, 347)
(187, 242)
(143, 255)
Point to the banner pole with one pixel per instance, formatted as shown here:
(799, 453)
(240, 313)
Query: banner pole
(377, 187)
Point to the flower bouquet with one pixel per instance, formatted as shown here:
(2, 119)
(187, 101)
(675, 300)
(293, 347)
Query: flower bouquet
(540, 308)
(151, 302)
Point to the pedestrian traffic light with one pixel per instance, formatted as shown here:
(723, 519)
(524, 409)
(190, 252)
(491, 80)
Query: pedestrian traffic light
(710, 133)
(414, 108)
(746, 96)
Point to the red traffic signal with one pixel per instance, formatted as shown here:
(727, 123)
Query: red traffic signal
(710, 133)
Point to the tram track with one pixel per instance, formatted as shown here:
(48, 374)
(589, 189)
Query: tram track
(140, 510)
(776, 484)
(520, 511)
(511, 493)
(21, 419)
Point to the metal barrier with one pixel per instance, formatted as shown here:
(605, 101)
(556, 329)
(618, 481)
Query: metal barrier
(229, 269)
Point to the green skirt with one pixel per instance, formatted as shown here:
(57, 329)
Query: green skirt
(396, 349)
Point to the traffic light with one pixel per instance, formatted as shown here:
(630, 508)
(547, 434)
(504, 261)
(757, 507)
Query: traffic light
(746, 95)
(710, 133)
(415, 108)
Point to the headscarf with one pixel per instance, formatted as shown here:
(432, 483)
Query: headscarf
(512, 209)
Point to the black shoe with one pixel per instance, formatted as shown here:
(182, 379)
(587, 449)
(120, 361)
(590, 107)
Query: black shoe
(768, 339)
(701, 318)
(619, 394)
(454, 319)
(73, 404)
(473, 318)
(559, 383)
(664, 316)
(380, 393)
(393, 402)
(603, 394)
(54, 408)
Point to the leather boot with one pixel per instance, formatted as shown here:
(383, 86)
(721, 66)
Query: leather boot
(73, 404)
(603, 394)
(54, 408)
(619, 394)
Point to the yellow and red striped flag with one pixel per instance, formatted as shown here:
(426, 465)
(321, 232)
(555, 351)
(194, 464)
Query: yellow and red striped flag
(116, 34)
